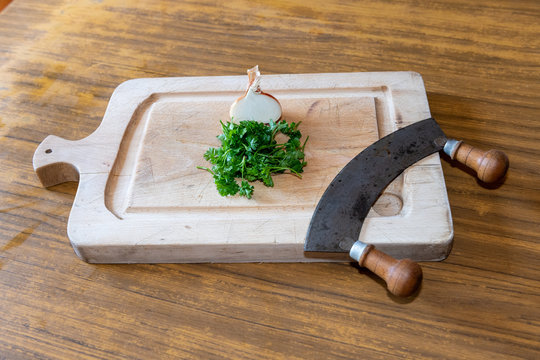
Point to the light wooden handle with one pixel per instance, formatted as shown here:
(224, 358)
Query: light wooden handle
(54, 161)
(402, 276)
(490, 165)
(58, 160)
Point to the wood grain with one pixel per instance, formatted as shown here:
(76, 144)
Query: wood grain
(59, 64)
(3, 4)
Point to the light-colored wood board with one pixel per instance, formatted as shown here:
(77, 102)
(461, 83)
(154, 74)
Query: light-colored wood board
(141, 197)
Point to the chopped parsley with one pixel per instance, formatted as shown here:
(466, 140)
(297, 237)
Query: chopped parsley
(249, 152)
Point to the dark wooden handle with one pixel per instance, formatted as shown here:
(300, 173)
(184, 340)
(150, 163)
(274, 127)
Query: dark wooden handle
(402, 276)
(490, 165)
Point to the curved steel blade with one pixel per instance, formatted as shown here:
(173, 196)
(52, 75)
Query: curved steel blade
(340, 213)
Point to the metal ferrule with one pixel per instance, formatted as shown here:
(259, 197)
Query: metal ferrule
(357, 250)
(451, 147)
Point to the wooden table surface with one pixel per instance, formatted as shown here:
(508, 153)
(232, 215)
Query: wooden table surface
(59, 63)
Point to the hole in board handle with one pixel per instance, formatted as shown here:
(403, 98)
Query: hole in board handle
(48, 151)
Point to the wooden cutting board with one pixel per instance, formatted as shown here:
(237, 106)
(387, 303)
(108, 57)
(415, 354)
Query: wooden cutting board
(141, 197)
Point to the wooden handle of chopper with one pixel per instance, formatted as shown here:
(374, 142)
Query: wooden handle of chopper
(402, 276)
(490, 165)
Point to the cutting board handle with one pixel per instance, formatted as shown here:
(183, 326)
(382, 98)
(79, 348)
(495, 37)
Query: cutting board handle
(54, 161)
(402, 276)
(57, 160)
(490, 166)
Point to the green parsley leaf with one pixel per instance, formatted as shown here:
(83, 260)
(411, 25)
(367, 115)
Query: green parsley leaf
(249, 152)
